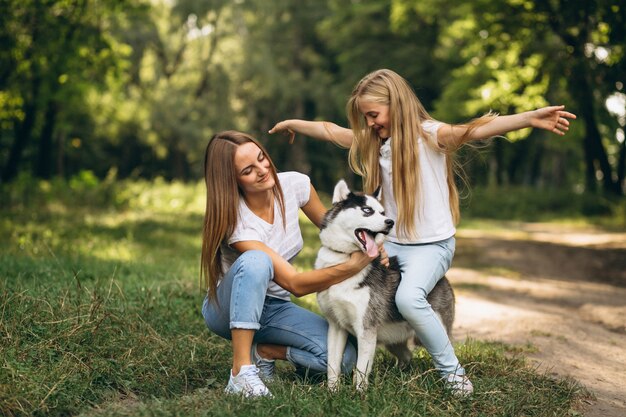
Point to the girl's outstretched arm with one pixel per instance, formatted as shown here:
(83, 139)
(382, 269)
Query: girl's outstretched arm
(318, 130)
(552, 118)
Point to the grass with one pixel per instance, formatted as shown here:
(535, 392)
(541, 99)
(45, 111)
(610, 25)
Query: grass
(100, 315)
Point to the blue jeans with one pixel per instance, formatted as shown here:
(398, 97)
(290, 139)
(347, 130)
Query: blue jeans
(242, 304)
(423, 265)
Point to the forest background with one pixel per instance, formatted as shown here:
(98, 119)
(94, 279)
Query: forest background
(97, 89)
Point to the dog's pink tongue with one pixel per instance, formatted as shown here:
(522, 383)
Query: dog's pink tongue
(371, 248)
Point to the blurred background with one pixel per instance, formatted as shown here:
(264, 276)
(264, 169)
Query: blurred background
(108, 90)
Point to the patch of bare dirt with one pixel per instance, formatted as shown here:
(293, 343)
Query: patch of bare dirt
(559, 289)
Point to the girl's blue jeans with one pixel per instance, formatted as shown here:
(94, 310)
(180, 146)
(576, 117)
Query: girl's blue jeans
(242, 304)
(422, 266)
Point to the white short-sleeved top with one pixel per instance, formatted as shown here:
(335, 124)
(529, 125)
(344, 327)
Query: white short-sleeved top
(433, 218)
(286, 241)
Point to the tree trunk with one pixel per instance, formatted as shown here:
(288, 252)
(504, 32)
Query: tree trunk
(23, 133)
(621, 166)
(60, 168)
(44, 164)
(581, 87)
(534, 173)
(499, 163)
(178, 163)
(594, 149)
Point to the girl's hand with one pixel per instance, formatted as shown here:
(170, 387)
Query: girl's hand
(553, 119)
(283, 127)
(384, 258)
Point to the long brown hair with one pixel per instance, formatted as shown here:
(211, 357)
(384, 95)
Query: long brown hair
(222, 200)
(406, 115)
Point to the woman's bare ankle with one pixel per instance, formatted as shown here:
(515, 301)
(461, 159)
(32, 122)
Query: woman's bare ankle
(271, 352)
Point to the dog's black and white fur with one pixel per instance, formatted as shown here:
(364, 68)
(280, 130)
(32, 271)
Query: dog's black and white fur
(364, 305)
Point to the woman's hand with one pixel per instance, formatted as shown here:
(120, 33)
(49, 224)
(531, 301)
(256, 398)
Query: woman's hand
(283, 127)
(359, 260)
(553, 119)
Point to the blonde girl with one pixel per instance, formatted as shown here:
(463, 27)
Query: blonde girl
(395, 144)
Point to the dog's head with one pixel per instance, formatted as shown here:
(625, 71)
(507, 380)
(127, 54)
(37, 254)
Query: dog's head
(355, 222)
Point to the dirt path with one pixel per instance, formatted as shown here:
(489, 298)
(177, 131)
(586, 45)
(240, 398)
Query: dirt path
(560, 290)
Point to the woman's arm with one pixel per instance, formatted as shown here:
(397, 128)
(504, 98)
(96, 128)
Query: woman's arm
(553, 119)
(325, 131)
(314, 209)
(303, 283)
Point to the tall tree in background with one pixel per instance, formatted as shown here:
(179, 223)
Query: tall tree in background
(287, 73)
(177, 90)
(509, 54)
(52, 48)
(594, 35)
(189, 79)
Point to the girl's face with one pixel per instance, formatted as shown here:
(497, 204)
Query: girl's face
(253, 169)
(377, 117)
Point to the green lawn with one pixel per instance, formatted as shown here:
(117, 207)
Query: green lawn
(100, 315)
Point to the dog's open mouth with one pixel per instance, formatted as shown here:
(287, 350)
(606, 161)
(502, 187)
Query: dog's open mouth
(366, 239)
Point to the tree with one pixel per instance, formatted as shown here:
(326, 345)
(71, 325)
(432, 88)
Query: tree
(287, 73)
(594, 35)
(510, 55)
(54, 47)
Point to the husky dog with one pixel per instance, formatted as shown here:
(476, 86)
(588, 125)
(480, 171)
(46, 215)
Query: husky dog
(364, 305)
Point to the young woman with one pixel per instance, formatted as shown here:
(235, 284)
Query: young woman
(395, 144)
(250, 236)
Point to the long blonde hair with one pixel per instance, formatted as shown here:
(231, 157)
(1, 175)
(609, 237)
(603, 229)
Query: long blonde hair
(406, 115)
(222, 200)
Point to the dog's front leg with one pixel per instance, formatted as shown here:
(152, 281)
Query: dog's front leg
(337, 338)
(365, 361)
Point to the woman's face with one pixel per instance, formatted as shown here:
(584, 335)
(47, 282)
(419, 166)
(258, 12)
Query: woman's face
(253, 169)
(377, 117)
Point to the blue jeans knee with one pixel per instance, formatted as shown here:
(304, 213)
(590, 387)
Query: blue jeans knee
(240, 294)
(255, 265)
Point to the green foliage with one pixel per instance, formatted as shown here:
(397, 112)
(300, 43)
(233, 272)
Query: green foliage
(56, 54)
(512, 56)
(85, 190)
(138, 86)
(529, 204)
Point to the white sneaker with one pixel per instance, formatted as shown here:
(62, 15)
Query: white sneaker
(459, 385)
(247, 383)
(266, 366)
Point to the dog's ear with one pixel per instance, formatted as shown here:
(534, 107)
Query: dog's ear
(341, 191)
(377, 194)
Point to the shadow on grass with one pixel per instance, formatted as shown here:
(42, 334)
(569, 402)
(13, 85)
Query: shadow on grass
(549, 260)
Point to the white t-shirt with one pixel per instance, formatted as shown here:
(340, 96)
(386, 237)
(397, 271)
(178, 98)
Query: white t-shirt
(287, 241)
(433, 218)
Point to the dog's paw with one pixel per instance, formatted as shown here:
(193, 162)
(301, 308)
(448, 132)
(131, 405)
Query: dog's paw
(333, 386)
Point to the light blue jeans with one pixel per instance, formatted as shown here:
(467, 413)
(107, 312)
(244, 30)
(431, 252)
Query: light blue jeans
(242, 304)
(423, 265)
